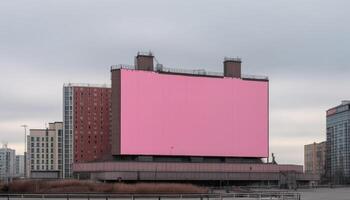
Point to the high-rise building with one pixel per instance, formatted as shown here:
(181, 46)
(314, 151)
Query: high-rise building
(315, 158)
(19, 166)
(86, 119)
(7, 163)
(45, 150)
(338, 143)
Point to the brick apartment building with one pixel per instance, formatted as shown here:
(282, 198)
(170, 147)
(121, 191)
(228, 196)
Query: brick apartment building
(315, 158)
(87, 113)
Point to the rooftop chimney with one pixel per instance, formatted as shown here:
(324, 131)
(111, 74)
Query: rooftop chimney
(144, 61)
(232, 67)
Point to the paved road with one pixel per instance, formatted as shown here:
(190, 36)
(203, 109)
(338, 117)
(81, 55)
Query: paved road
(325, 194)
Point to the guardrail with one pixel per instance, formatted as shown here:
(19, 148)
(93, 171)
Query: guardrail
(201, 72)
(106, 196)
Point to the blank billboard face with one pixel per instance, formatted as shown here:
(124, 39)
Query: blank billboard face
(163, 114)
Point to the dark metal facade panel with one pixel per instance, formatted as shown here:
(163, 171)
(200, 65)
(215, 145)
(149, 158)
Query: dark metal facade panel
(116, 110)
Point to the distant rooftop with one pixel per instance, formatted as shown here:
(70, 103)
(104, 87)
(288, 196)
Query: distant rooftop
(86, 85)
(344, 106)
(233, 59)
(195, 72)
(144, 53)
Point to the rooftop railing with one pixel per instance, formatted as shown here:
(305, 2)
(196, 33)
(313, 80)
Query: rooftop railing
(86, 85)
(256, 77)
(198, 72)
(123, 66)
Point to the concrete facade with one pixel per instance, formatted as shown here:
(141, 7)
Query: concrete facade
(45, 149)
(201, 172)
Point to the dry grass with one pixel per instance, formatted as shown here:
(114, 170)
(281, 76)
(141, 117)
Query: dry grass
(76, 186)
(158, 188)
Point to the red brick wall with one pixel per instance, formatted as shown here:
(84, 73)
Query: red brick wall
(92, 131)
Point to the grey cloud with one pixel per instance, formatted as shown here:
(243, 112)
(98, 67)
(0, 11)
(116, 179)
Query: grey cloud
(302, 46)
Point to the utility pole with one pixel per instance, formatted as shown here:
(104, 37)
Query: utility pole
(25, 149)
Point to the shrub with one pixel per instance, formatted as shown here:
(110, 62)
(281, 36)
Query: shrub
(77, 186)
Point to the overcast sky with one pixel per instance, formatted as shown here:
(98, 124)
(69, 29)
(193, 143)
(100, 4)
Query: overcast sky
(303, 46)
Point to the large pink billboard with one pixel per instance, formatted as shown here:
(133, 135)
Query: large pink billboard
(167, 114)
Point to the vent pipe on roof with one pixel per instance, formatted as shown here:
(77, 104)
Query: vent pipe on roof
(232, 67)
(144, 61)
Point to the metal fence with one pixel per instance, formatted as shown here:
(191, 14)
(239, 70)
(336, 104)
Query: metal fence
(201, 72)
(106, 196)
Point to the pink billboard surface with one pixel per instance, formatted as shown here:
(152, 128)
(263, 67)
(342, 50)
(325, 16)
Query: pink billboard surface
(163, 114)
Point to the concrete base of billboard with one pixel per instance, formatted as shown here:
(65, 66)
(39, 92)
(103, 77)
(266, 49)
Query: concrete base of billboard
(213, 173)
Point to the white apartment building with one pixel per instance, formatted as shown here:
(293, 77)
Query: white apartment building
(19, 166)
(7, 163)
(44, 150)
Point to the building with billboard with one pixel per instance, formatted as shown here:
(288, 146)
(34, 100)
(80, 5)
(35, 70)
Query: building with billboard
(189, 125)
(86, 119)
(315, 158)
(174, 113)
(338, 143)
(45, 152)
